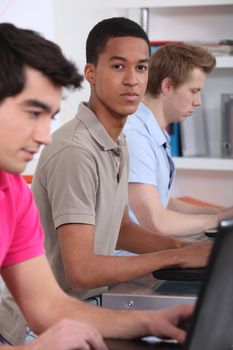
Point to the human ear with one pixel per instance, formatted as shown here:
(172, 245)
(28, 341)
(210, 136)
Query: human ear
(89, 72)
(166, 85)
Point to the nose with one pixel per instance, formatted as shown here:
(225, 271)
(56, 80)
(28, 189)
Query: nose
(130, 77)
(197, 100)
(42, 132)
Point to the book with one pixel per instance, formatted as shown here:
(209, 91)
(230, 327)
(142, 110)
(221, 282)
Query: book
(222, 48)
(174, 133)
(155, 44)
(227, 125)
(194, 142)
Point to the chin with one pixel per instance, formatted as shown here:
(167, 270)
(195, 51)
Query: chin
(18, 168)
(131, 110)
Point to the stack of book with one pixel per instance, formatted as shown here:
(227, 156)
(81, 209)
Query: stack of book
(220, 48)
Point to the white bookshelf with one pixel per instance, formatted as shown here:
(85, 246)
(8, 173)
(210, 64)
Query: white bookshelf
(167, 3)
(198, 20)
(215, 164)
(224, 62)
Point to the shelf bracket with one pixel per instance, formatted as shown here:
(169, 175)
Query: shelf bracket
(144, 19)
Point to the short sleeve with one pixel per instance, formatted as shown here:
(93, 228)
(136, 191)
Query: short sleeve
(27, 239)
(142, 159)
(73, 194)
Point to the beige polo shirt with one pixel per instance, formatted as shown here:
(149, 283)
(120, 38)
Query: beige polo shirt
(82, 177)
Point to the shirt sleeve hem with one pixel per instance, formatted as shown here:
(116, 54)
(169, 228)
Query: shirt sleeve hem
(23, 256)
(74, 219)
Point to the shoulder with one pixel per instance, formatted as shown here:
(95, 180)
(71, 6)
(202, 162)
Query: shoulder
(16, 184)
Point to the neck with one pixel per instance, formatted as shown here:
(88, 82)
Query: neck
(112, 123)
(156, 106)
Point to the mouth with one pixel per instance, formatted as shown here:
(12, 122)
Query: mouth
(130, 96)
(188, 114)
(29, 154)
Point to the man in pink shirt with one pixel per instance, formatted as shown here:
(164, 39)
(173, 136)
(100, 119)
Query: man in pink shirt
(33, 72)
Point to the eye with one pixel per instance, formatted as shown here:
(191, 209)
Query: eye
(117, 66)
(54, 116)
(195, 91)
(34, 114)
(142, 68)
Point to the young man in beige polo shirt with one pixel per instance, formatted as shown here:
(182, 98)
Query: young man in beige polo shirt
(81, 182)
(80, 185)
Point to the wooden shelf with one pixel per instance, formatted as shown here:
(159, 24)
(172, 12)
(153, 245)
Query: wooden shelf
(217, 164)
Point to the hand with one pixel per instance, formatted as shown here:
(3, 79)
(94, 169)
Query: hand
(195, 254)
(68, 335)
(226, 213)
(168, 322)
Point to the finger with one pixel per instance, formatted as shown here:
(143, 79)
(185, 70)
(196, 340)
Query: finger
(96, 342)
(178, 312)
(184, 310)
(176, 333)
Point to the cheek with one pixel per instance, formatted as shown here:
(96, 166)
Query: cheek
(186, 99)
(143, 82)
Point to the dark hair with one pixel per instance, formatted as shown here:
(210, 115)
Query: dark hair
(21, 48)
(111, 28)
(176, 61)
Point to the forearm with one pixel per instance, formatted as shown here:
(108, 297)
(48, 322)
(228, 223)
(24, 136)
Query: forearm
(105, 270)
(110, 323)
(177, 225)
(115, 269)
(172, 223)
(138, 239)
(188, 208)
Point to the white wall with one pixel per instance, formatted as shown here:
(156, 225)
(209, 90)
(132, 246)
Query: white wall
(211, 186)
(36, 15)
(73, 21)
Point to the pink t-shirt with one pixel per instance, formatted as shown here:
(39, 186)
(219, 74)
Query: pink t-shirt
(21, 234)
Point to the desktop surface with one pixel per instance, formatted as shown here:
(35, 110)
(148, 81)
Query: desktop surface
(147, 293)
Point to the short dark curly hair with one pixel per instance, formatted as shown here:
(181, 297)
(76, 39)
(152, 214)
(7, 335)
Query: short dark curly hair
(21, 48)
(111, 28)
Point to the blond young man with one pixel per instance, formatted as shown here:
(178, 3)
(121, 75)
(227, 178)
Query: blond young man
(177, 73)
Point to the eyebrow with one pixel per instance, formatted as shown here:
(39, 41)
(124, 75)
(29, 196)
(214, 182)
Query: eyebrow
(39, 104)
(145, 60)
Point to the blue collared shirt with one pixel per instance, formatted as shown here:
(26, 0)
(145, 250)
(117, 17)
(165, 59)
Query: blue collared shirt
(149, 153)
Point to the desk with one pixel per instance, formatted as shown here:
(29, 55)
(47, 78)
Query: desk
(148, 293)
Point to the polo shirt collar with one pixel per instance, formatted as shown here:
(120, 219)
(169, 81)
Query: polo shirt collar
(160, 136)
(97, 130)
(4, 183)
